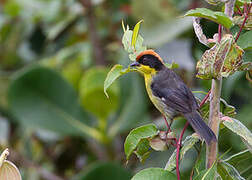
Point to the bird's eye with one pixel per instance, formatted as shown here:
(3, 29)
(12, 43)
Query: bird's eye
(145, 61)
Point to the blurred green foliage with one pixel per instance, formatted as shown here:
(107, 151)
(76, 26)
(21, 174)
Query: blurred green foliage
(54, 57)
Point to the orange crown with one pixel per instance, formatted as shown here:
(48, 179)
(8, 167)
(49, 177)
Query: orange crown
(150, 52)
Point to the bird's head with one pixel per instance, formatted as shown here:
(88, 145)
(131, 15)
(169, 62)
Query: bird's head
(148, 62)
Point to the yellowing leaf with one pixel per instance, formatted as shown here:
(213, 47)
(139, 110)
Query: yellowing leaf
(135, 33)
(132, 42)
(8, 171)
(223, 59)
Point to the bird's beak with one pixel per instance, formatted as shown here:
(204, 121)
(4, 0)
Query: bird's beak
(134, 64)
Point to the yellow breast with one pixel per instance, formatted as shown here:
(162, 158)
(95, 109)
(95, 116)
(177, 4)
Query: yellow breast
(155, 100)
(158, 103)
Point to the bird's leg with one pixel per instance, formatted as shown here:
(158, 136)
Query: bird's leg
(168, 125)
(168, 131)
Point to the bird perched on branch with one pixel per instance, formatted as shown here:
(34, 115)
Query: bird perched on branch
(169, 93)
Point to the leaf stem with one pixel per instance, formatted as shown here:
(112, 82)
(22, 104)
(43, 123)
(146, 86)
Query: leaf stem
(219, 32)
(178, 149)
(205, 99)
(246, 15)
(167, 125)
(238, 10)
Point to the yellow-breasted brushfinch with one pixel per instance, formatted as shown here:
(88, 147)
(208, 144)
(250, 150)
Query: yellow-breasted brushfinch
(169, 93)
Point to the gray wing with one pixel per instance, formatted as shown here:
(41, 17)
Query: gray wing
(173, 91)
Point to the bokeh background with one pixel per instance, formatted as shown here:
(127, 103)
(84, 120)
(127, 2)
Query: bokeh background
(54, 57)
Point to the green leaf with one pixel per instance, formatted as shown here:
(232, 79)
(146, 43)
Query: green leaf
(154, 174)
(135, 33)
(242, 162)
(143, 150)
(245, 40)
(104, 171)
(218, 17)
(238, 158)
(126, 41)
(92, 93)
(41, 98)
(207, 174)
(228, 172)
(115, 72)
(238, 128)
(227, 109)
(12, 8)
(136, 135)
(173, 65)
(187, 144)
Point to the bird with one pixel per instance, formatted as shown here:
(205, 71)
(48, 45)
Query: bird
(169, 94)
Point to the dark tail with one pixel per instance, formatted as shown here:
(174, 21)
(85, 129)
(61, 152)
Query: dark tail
(200, 126)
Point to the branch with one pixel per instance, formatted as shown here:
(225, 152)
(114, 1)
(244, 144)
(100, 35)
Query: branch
(213, 123)
(214, 111)
(229, 8)
(93, 35)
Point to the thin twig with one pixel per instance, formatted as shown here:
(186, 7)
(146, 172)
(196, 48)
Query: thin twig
(238, 9)
(181, 136)
(219, 32)
(94, 37)
(205, 99)
(246, 15)
(178, 149)
(167, 125)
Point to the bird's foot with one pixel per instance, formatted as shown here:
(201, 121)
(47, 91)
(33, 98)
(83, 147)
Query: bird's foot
(169, 137)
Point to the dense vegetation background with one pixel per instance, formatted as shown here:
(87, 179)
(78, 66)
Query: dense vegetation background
(54, 57)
